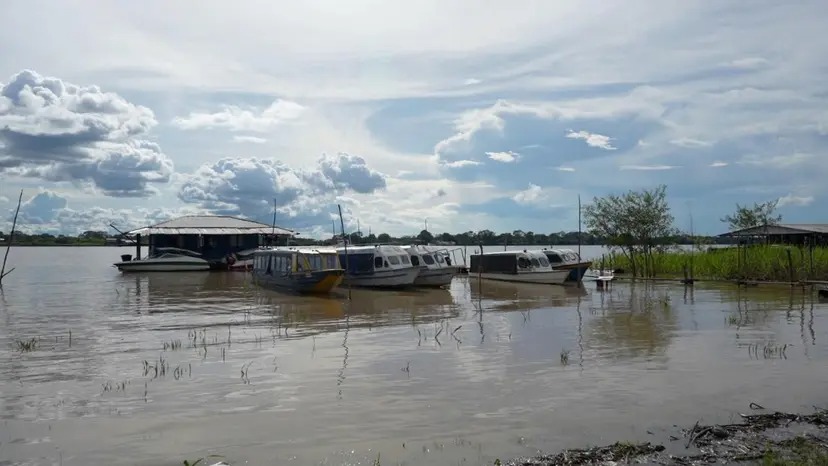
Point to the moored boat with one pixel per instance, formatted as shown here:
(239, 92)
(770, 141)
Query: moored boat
(567, 259)
(380, 266)
(242, 260)
(516, 266)
(165, 260)
(302, 270)
(434, 263)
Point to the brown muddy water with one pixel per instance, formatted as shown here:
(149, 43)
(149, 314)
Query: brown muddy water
(264, 378)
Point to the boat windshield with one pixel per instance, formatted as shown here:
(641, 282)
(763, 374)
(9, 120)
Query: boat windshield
(428, 259)
(544, 262)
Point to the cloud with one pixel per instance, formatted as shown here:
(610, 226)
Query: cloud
(471, 82)
(4, 199)
(236, 118)
(537, 196)
(252, 187)
(719, 164)
(504, 157)
(42, 208)
(748, 63)
(58, 131)
(565, 169)
(648, 167)
(250, 139)
(592, 139)
(798, 201)
(461, 163)
(778, 161)
(690, 143)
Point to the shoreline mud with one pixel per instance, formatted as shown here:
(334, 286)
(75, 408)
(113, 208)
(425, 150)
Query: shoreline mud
(771, 438)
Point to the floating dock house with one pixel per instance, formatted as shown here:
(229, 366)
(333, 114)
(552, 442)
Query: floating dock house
(215, 237)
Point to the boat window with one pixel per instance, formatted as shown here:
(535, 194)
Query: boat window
(405, 260)
(331, 261)
(571, 257)
(535, 262)
(544, 262)
(554, 258)
(315, 262)
(523, 263)
(439, 257)
(378, 262)
(415, 261)
(394, 260)
(428, 259)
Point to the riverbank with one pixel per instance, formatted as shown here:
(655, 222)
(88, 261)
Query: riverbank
(771, 438)
(756, 263)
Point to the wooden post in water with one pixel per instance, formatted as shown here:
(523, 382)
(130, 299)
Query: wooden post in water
(138, 246)
(3, 272)
(345, 243)
(479, 269)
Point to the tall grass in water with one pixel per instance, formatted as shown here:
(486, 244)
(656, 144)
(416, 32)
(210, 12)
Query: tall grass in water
(758, 262)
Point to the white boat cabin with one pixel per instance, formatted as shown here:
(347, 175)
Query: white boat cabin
(368, 259)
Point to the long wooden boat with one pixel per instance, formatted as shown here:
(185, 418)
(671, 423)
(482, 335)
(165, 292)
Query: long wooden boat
(302, 270)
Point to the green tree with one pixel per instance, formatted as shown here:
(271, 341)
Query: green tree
(384, 238)
(636, 222)
(761, 214)
(425, 236)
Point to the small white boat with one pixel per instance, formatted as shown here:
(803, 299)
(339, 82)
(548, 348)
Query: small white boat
(380, 266)
(242, 260)
(435, 265)
(517, 266)
(165, 260)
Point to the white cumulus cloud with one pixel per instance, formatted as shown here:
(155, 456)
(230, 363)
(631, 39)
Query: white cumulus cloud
(592, 139)
(504, 157)
(235, 118)
(250, 139)
(799, 201)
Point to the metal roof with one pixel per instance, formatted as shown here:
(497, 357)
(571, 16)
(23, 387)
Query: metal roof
(210, 225)
(780, 229)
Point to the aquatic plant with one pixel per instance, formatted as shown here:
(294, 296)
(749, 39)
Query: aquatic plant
(25, 346)
(564, 356)
(758, 262)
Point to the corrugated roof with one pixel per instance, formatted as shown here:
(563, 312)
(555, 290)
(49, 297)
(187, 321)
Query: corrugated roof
(210, 225)
(781, 229)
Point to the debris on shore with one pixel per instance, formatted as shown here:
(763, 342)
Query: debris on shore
(776, 438)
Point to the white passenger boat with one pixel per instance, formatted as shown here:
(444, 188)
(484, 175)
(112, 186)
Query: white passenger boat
(516, 266)
(165, 260)
(567, 259)
(435, 265)
(379, 266)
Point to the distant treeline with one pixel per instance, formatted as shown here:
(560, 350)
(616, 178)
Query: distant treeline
(469, 238)
(490, 238)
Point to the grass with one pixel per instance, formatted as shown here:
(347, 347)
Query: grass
(26, 346)
(759, 262)
(799, 451)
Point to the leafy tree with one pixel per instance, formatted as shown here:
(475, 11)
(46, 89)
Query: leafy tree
(636, 222)
(384, 238)
(749, 217)
(425, 236)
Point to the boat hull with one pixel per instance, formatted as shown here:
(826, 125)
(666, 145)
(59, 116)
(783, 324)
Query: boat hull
(321, 281)
(435, 277)
(576, 271)
(149, 266)
(393, 278)
(555, 277)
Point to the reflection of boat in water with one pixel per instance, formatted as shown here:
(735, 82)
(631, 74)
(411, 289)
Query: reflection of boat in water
(300, 270)
(517, 266)
(511, 296)
(367, 307)
(165, 260)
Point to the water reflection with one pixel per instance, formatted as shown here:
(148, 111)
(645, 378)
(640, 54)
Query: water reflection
(638, 321)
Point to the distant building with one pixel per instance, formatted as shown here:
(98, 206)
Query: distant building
(213, 236)
(783, 233)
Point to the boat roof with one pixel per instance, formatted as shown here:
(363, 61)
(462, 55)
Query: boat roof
(560, 250)
(300, 250)
(211, 225)
(371, 248)
(185, 252)
(510, 253)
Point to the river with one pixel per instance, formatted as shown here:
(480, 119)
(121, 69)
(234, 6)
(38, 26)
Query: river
(443, 377)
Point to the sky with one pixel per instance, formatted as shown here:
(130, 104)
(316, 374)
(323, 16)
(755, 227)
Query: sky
(460, 115)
